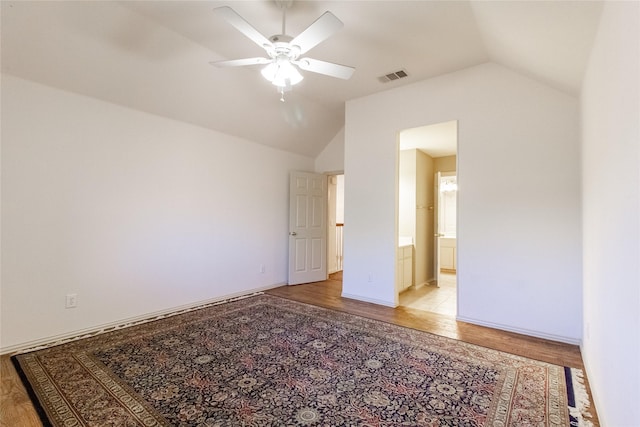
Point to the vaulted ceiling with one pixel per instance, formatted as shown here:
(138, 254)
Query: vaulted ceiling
(154, 55)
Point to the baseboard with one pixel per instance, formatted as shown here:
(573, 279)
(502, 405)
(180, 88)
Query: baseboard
(123, 323)
(420, 285)
(371, 300)
(528, 332)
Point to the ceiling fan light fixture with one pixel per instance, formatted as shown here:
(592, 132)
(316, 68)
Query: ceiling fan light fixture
(282, 73)
(284, 51)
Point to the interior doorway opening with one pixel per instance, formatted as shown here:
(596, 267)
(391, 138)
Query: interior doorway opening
(426, 271)
(335, 224)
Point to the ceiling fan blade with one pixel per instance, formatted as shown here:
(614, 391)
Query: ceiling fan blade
(327, 68)
(317, 32)
(232, 17)
(241, 62)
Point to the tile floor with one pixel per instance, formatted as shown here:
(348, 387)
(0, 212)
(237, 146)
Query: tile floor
(441, 300)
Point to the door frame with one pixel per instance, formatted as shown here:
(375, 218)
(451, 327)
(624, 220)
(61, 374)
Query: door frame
(437, 219)
(332, 222)
(457, 173)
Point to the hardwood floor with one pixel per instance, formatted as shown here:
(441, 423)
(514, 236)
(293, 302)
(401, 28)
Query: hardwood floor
(16, 408)
(327, 294)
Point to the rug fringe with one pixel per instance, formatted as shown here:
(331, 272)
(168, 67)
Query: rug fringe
(134, 323)
(582, 402)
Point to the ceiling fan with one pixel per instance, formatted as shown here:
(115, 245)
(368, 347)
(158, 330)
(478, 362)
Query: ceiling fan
(284, 52)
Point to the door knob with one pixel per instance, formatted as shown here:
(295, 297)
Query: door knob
(293, 233)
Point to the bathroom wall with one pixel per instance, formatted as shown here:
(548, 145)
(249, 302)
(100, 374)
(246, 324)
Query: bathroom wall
(445, 164)
(415, 219)
(424, 219)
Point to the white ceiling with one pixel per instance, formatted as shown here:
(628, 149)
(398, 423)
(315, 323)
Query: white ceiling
(154, 55)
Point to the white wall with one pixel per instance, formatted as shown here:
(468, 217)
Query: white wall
(133, 212)
(331, 159)
(407, 193)
(611, 215)
(519, 244)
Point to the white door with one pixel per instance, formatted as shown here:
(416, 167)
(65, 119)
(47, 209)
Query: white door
(307, 228)
(437, 227)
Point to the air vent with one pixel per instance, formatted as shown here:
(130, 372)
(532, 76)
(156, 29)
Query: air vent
(393, 76)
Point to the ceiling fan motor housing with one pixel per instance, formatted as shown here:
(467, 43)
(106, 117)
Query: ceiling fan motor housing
(281, 47)
(280, 38)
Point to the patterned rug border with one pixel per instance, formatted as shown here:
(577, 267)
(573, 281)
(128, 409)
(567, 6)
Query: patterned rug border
(42, 414)
(577, 396)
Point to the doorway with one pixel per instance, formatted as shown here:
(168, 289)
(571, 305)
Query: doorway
(426, 274)
(335, 225)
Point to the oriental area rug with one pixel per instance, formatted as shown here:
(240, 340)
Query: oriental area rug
(267, 361)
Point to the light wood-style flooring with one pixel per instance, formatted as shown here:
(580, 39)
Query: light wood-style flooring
(16, 408)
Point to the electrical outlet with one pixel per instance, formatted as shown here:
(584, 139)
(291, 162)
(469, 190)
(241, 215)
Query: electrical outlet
(71, 301)
(262, 268)
(370, 277)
